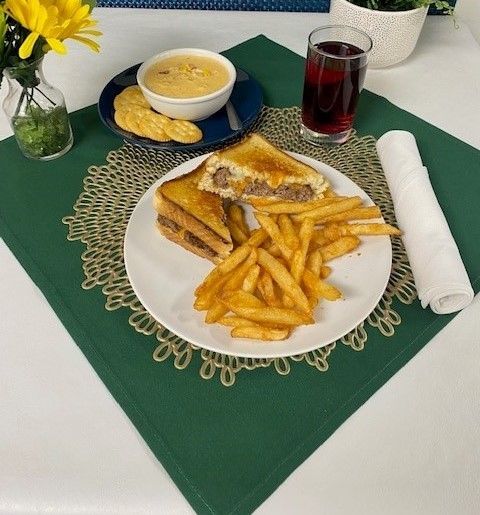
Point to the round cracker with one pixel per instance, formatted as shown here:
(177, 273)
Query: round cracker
(121, 103)
(153, 124)
(159, 119)
(132, 119)
(137, 111)
(183, 131)
(133, 87)
(119, 118)
(131, 95)
(134, 97)
(131, 91)
(153, 131)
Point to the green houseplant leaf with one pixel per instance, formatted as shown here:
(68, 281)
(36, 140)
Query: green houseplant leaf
(403, 5)
(3, 30)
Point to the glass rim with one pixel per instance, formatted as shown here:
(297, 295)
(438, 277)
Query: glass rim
(339, 57)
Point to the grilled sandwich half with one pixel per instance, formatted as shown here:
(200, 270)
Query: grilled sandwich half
(192, 218)
(254, 168)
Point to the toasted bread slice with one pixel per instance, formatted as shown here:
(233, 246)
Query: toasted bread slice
(254, 168)
(210, 243)
(192, 218)
(202, 205)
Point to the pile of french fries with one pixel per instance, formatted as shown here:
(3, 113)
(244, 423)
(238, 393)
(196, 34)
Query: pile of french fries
(275, 277)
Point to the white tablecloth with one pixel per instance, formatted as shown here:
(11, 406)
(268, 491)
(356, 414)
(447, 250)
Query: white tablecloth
(65, 445)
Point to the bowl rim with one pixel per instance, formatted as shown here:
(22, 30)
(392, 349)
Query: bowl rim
(193, 51)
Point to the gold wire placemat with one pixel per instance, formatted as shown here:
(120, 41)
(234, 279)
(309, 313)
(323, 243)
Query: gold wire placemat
(111, 192)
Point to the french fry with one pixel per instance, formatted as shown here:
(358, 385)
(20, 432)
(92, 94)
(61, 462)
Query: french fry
(273, 231)
(319, 287)
(331, 232)
(274, 250)
(319, 238)
(250, 282)
(206, 297)
(329, 193)
(288, 231)
(283, 262)
(330, 209)
(314, 264)
(287, 302)
(306, 233)
(297, 263)
(261, 202)
(266, 288)
(268, 315)
(359, 213)
(217, 310)
(325, 271)
(259, 333)
(296, 267)
(234, 321)
(300, 256)
(234, 259)
(243, 298)
(257, 237)
(287, 207)
(238, 236)
(284, 279)
(237, 276)
(339, 247)
(362, 230)
(237, 214)
(228, 264)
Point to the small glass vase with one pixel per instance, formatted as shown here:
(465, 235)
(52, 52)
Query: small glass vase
(37, 113)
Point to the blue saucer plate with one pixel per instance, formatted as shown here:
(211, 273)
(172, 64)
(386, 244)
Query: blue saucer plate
(246, 98)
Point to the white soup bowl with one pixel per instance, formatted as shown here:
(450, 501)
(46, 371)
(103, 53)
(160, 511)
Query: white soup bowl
(193, 108)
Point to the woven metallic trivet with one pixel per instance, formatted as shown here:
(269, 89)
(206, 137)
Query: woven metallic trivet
(112, 190)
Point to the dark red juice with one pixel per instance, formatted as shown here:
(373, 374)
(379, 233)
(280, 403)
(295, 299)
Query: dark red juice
(333, 81)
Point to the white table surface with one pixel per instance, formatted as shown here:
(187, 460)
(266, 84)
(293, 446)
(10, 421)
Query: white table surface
(65, 445)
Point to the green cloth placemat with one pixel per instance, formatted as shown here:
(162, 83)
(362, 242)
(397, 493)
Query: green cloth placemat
(227, 449)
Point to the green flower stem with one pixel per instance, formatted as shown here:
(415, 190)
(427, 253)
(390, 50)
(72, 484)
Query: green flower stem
(45, 96)
(20, 102)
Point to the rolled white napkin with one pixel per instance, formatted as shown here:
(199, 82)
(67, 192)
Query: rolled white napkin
(440, 276)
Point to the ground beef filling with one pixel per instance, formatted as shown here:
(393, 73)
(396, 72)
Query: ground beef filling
(220, 178)
(188, 236)
(294, 192)
(163, 220)
(197, 242)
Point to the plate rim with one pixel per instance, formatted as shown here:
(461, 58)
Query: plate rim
(146, 143)
(265, 345)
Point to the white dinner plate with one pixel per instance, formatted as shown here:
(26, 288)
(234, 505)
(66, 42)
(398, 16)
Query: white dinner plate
(164, 277)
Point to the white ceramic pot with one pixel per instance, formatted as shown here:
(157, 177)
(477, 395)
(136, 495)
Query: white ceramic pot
(394, 34)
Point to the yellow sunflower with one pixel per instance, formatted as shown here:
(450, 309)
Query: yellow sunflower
(55, 21)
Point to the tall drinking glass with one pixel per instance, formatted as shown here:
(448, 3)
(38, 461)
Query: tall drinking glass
(334, 74)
